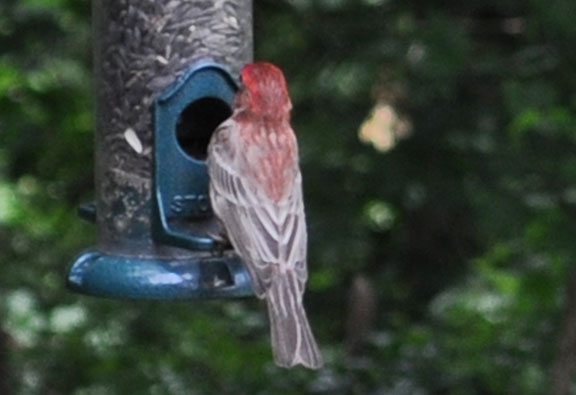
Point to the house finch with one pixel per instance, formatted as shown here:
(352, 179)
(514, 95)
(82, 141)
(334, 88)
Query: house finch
(256, 191)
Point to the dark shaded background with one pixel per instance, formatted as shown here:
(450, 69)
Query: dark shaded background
(437, 143)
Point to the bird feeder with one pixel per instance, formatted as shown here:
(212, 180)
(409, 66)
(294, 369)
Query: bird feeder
(165, 79)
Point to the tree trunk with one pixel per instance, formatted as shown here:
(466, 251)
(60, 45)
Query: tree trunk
(5, 376)
(563, 369)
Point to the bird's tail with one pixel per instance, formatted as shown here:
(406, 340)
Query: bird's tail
(292, 340)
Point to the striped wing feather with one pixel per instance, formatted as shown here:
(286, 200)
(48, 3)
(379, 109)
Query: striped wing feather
(268, 234)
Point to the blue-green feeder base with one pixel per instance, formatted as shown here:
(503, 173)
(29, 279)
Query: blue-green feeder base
(98, 274)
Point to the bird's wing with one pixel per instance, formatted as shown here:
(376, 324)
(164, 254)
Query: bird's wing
(268, 234)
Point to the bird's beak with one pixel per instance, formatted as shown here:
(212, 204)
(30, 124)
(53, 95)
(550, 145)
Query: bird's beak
(239, 83)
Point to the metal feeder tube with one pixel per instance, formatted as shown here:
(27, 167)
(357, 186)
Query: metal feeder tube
(164, 79)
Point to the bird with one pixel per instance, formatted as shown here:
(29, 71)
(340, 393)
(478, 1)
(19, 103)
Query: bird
(255, 190)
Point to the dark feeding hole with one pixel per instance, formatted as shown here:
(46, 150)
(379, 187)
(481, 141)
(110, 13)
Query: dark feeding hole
(197, 123)
(216, 275)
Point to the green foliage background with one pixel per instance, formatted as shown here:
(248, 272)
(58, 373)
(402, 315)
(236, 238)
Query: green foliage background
(465, 228)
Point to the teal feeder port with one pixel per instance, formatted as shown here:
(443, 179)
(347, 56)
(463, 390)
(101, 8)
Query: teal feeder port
(193, 108)
(98, 274)
(155, 232)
